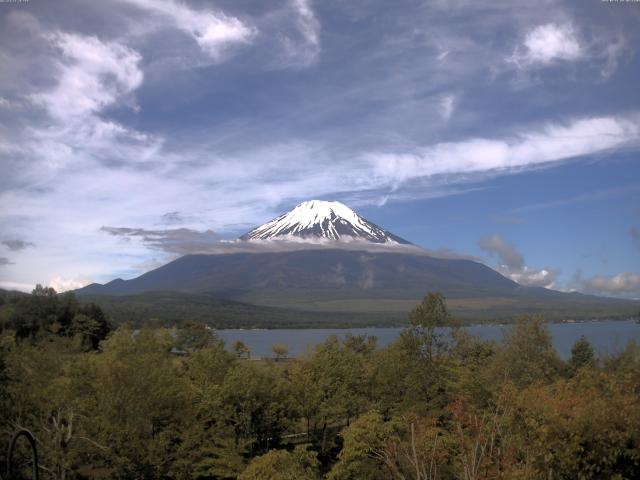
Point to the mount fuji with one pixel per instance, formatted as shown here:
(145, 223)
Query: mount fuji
(322, 220)
(322, 258)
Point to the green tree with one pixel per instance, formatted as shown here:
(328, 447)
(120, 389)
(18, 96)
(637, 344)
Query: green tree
(527, 354)
(208, 446)
(194, 336)
(241, 349)
(67, 308)
(361, 344)
(431, 312)
(406, 447)
(102, 326)
(306, 391)
(86, 331)
(140, 403)
(582, 354)
(47, 385)
(299, 464)
(258, 404)
(427, 335)
(391, 389)
(280, 350)
(45, 313)
(424, 350)
(330, 389)
(35, 314)
(44, 292)
(363, 441)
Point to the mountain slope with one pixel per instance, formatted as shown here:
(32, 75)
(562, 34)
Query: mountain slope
(317, 274)
(356, 282)
(331, 288)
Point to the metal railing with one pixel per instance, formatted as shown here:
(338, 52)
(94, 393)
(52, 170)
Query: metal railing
(10, 471)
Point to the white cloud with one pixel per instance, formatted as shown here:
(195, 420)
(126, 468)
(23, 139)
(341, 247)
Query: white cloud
(447, 106)
(21, 287)
(553, 143)
(60, 284)
(442, 55)
(71, 153)
(309, 26)
(91, 75)
(303, 49)
(512, 265)
(613, 49)
(214, 32)
(547, 44)
(531, 277)
(620, 284)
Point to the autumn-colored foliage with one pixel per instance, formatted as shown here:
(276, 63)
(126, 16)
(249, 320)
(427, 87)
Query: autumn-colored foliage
(160, 403)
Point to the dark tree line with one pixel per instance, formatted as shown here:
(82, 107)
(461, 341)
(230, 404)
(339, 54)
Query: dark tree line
(45, 313)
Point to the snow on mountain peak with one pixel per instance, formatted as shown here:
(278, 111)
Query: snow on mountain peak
(322, 220)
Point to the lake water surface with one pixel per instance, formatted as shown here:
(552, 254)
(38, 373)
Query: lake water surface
(605, 336)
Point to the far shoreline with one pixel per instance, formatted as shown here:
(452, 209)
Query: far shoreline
(406, 325)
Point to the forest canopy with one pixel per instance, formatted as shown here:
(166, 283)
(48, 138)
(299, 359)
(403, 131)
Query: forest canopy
(175, 403)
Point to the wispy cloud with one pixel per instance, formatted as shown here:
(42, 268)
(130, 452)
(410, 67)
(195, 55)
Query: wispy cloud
(625, 283)
(302, 47)
(506, 252)
(576, 199)
(179, 241)
(549, 144)
(5, 261)
(171, 218)
(91, 75)
(447, 106)
(511, 263)
(213, 31)
(16, 244)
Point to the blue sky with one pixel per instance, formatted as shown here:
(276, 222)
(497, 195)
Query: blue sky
(134, 131)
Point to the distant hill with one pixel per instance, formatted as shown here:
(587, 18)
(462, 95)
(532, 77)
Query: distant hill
(8, 294)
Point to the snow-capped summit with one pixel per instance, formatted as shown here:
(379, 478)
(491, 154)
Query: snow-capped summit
(322, 220)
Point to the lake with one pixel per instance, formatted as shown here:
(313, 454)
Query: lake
(605, 336)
